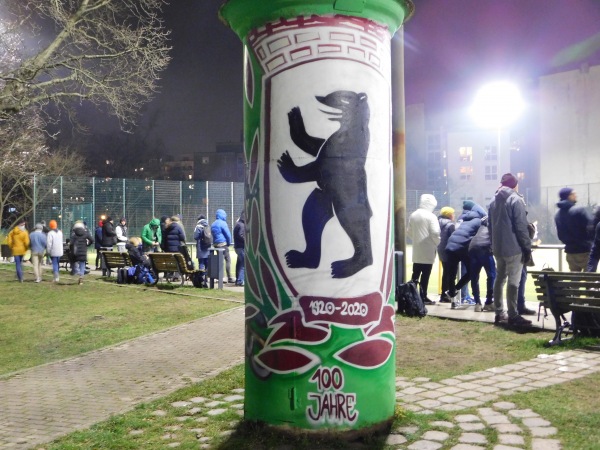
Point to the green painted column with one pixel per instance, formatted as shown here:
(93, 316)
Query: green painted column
(320, 342)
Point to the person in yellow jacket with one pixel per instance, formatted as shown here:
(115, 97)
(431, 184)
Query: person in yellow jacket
(18, 241)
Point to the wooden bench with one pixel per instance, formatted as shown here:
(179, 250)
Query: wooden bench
(561, 292)
(114, 260)
(171, 262)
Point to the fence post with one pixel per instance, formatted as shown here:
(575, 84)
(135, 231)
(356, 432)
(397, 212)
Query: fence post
(34, 199)
(124, 215)
(206, 191)
(61, 202)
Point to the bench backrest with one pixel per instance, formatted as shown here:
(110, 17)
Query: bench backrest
(569, 290)
(168, 262)
(115, 260)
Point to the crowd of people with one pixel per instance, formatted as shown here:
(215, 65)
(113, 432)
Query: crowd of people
(166, 235)
(499, 241)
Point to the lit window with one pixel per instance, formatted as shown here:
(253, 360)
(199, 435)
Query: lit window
(466, 172)
(466, 154)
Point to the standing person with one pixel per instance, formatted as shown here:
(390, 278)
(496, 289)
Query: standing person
(98, 242)
(457, 250)
(80, 240)
(121, 230)
(151, 236)
(239, 244)
(481, 257)
(203, 238)
(174, 237)
(38, 242)
(46, 230)
(511, 246)
(54, 247)
(424, 231)
(222, 239)
(18, 241)
(109, 235)
(447, 226)
(592, 265)
(164, 223)
(573, 229)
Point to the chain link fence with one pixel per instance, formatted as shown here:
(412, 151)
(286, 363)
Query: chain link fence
(67, 199)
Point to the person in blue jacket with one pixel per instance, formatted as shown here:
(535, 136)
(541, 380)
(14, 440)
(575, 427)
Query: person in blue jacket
(457, 249)
(222, 239)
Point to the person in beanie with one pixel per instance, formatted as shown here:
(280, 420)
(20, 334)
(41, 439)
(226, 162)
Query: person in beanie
(239, 244)
(54, 247)
(202, 246)
(424, 231)
(18, 241)
(79, 241)
(573, 225)
(511, 245)
(481, 257)
(222, 239)
(447, 226)
(38, 242)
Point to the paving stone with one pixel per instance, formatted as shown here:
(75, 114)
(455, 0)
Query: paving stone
(395, 439)
(504, 405)
(407, 430)
(545, 444)
(136, 432)
(233, 398)
(467, 418)
(203, 439)
(201, 419)
(491, 420)
(451, 381)
(470, 403)
(174, 444)
(468, 394)
(413, 408)
(424, 445)
(451, 407)
(238, 390)
(198, 399)
(432, 385)
(434, 435)
(429, 403)
(404, 384)
(421, 380)
(173, 428)
(216, 412)
(197, 430)
(180, 404)
(427, 412)
(543, 431)
(466, 447)
(213, 404)
(536, 422)
(237, 406)
(450, 389)
(511, 439)
(194, 411)
(450, 399)
(432, 394)
(522, 413)
(442, 424)
(506, 447)
(488, 389)
(159, 413)
(507, 428)
(413, 390)
(472, 426)
(472, 438)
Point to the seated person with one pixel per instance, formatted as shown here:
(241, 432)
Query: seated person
(134, 249)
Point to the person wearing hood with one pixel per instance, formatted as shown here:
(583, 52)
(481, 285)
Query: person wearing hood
(98, 242)
(109, 235)
(222, 239)
(239, 244)
(18, 241)
(447, 227)
(573, 225)
(457, 248)
(424, 231)
(511, 245)
(54, 247)
(151, 236)
(79, 241)
(202, 244)
(38, 241)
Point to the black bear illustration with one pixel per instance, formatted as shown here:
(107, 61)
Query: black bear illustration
(339, 170)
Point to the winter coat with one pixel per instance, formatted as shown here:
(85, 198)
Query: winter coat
(220, 229)
(80, 240)
(109, 235)
(38, 242)
(174, 237)
(98, 238)
(54, 243)
(121, 231)
(424, 231)
(447, 227)
(151, 233)
(595, 251)
(572, 227)
(507, 224)
(482, 242)
(239, 234)
(136, 255)
(18, 241)
(202, 249)
(466, 229)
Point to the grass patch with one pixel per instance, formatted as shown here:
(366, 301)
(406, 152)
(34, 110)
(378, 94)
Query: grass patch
(45, 322)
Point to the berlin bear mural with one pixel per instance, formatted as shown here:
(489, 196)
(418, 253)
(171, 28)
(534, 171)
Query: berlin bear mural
(339, 171)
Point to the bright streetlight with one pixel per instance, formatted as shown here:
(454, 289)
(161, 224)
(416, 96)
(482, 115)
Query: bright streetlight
(496, 105)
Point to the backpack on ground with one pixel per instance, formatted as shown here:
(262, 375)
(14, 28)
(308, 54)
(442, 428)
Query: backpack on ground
(207, 238)
(408, 298)
(123, 275)
(198, 279)
(186, 256)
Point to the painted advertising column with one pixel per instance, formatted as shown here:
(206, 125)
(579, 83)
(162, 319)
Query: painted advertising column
(320, 345)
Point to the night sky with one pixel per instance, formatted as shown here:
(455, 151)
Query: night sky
(451, 47)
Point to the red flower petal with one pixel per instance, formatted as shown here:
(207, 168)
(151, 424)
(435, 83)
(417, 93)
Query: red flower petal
(287, 359)
(293, 328)
(368, 354)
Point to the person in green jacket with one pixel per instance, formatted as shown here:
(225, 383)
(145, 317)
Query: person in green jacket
(151, 236)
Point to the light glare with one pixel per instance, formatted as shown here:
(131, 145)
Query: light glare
(497, 104)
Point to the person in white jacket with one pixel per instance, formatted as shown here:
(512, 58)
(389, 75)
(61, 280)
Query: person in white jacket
(54, 247)
(424, 231)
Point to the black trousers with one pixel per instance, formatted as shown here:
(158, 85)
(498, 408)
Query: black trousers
(421, 273)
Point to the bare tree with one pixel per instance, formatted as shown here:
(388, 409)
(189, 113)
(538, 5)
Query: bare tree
(109, 53)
